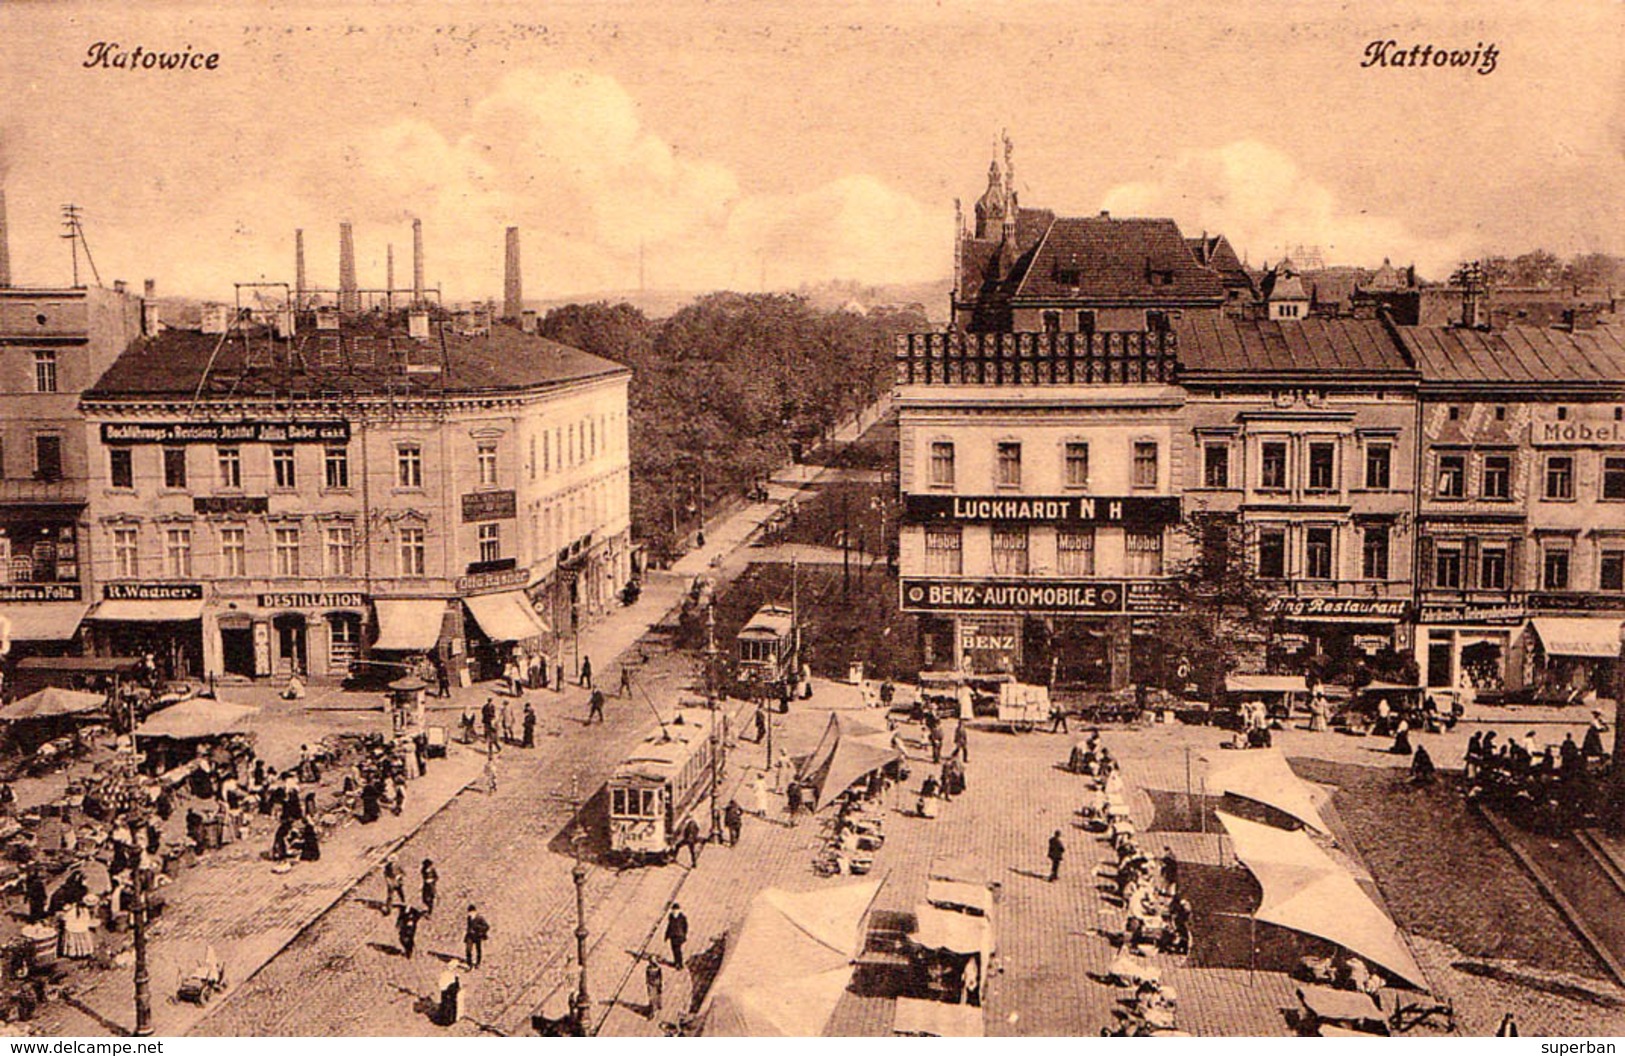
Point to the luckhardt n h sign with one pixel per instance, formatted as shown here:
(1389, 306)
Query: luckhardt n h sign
(1128, 510)
(947, 595)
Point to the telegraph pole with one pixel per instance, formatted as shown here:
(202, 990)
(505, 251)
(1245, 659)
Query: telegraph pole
(1616, 775)
(711, 702)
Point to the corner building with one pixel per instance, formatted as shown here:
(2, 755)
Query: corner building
(300, 491)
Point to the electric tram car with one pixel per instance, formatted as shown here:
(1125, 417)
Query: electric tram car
(656, 789)
(767, 651)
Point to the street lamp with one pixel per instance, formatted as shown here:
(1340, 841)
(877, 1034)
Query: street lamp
(135, 820)
(711, 703)
(1616, 776)
(581, 1001)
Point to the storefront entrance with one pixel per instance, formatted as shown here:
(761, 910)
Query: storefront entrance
(292, 644)
(237, 649)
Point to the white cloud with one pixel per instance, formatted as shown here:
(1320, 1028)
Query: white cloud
(1258, 197)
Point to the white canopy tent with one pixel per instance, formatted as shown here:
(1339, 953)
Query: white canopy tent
(1263, 776)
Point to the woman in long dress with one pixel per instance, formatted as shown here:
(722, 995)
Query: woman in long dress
(76, 941)
(758, 791)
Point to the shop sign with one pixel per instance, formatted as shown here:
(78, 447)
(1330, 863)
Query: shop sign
(1149, 597)
(951, 595)
(1315, 608)
(1577, 602)
(489, 506)
(1604, 433)
(152, 591)
(1292, 643)
(990, 644)
(1371, 644)
(225, 432)
(489, 582)
(1130, 511)
(339, 599)
(1470, 613)
(234, 505)
(39, 592)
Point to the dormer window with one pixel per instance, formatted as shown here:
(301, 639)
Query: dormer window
(1068, 276)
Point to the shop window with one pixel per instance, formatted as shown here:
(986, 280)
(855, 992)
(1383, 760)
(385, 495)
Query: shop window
(1560, 478)
(1009, 465)
(1272, 468)
(1144, 551)
(944, 550)
(1010, 551)
(1317, 553)
(1452, 481)
(1216, 465)
(175, 467)
(1272, 553)
(1145, 464)
(1075, 551)
(121, 467)
(1554, 573)
(1492, 568)
(1374, 557)
(1077, 465)
(1447, 568)
(1322, 467)
(1379, 459)
(1613, 479)
(344, 638)
(230, 460)
(1611, 571)
(1497, 482)
(282, 467)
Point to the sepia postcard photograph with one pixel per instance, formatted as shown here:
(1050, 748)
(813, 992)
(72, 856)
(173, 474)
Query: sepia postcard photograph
(833, 519)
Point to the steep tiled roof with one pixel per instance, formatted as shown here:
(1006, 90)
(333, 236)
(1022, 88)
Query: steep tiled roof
(1217, 254)
(1328, 347)
(1133, 260)
(368, 358)
(1516, 354)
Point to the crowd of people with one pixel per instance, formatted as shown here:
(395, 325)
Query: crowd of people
(1550, 786)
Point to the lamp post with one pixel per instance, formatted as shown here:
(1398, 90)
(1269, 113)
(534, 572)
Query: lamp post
(1616, 775)
(711, 703)
(581, 1001)
(135, 820)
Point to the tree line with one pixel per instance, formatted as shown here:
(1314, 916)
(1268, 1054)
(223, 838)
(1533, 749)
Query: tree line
(724, 390)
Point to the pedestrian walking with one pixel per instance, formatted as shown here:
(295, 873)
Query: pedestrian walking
(1057, 851)
(654, 981)
(468, 723)
(761, 724)
(394, 886)
(488, 719)
(586, 672)
(758, 791)
(406, 929)
(1057, 719)
(475, 932)
(558, 677)
(935, 735)
(792, 800)
(529, 727)
(626, 682)
(733, 819)
(442, 677)
(962, 740)
(595, 707)
(691, 839)
(431, 885)
(507, 723)
(677, 934)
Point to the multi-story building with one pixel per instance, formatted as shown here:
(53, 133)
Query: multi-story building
(1521, 513)
(309, 488)
(1040, 477)
(1302, 433)
(53, 344)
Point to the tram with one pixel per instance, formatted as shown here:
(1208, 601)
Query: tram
(768, 649)
(655, 790)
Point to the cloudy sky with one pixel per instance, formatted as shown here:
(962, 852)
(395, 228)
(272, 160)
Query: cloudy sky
(800, 141)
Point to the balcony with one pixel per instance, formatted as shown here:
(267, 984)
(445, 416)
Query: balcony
(63, 491)
(1032, 358)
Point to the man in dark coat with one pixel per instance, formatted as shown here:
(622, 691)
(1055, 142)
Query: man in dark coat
(1057, 851)
(962, 740)
(692, 840)
(406, 929)
(733, 819)
(475, 931)
(654, 982)
(1591, 748)
(488, 720)
(431, 885)
(586, 672)
(595, 707)
(677, 934)
(529, 738)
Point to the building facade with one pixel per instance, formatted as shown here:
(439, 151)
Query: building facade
(1040, 480)
(312, 489)
(1521, 516)
(54, 343)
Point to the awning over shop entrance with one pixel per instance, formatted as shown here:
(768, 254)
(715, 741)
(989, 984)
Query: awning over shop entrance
(52, 621)
(1594, 637)
(134, 611)
(409, 625)
(1266, 684)
(506, 617)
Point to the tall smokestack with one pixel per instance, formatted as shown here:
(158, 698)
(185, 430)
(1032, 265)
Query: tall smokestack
(389, 274)
(513, 297)
(5, 244)
(299, 285)
(417, 262)
(349, 298)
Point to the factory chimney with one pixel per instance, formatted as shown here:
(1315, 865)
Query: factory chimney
(150, 321)
(513, 299)
(5, 244)
(299, 285)
(417, 263)
(349, 297)
(389, 275)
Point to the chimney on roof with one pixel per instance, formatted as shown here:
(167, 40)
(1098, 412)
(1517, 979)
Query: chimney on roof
(417, 324)
(1104, 215)
(417, 262)
(5, 244)
(120, 287)
(349, 296)
(528, 320)
(513, 299)
(298, 267)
